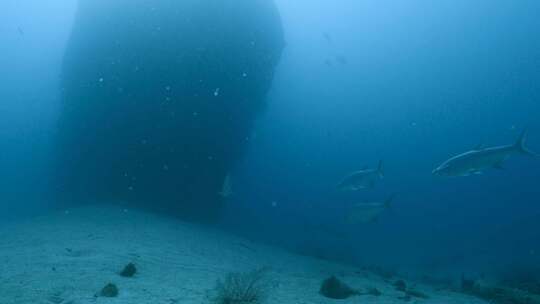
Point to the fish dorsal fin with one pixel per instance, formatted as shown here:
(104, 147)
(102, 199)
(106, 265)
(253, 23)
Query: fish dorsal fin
(479, 147)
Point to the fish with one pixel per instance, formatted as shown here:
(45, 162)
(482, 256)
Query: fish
(226, 188)
(480, 159)
(363, 179)
(368, 212)
(20, 30)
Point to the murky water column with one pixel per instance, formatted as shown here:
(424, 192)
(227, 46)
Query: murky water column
(159, 98)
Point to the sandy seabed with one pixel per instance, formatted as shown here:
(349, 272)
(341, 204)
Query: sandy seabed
(68, 257)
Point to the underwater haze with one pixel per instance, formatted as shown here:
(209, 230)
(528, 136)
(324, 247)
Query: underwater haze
(34, 35)
(411, 84)
(315, 126)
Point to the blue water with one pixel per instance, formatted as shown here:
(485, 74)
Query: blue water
(410, 83)
(423, 82)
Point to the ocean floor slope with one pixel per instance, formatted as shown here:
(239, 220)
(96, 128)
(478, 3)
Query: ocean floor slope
(68, 257)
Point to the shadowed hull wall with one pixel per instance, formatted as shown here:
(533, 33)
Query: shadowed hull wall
(159, 97)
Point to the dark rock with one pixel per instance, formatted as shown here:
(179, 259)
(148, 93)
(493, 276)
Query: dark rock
(333, 288)
(405, 298)
(109, 291)
(416, 294)
(158, 98)
(498, 294)
(374, 292)
(129, 270)
(467, 285)
(55, 298)
(400, 285)
(526, 278)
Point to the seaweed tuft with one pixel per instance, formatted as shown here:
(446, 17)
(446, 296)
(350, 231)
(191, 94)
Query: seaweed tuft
(243, 288)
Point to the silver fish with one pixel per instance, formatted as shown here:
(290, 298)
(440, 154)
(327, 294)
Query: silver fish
(369, 212)
(480, 159)
(363, 179)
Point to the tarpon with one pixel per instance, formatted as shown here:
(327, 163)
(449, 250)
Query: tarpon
(480, 159)
(362, 179)
(367, 212)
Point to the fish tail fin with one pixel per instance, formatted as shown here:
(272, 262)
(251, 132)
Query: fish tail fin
(520, 145)
(380, 169)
